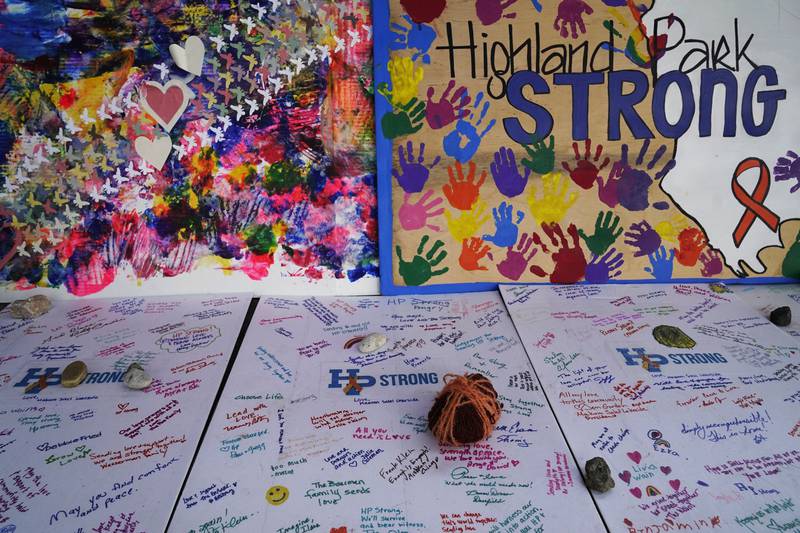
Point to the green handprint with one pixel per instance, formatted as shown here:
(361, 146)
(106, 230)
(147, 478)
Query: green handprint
(420, 269)
(791, 262)
(404, 120)
(605, 233)
(542, 158)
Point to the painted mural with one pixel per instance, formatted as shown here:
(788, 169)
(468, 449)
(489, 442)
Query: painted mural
(571, 141)
(187, 142)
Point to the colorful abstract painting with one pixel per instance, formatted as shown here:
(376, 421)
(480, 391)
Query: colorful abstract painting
(180, 145)
(586, 141)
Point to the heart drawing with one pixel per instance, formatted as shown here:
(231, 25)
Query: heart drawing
(675, 484)
(625, 476)
(636, 457)
(165, 103)
(189, 57)
(636, 491)
(666, 470)
(154, 151)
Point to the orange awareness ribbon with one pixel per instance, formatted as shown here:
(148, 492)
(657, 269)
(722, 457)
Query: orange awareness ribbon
(753, 202)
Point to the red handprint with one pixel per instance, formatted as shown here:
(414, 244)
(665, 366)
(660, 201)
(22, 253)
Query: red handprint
(586, 171)
(462, 193)
(570, 262)
(472, 251)
(692, 242)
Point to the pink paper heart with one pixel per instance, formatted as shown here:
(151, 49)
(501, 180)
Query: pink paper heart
(636, 491)
(166, 103)
(675, 484)
(625, 476)
(635, 457)
(666, 470)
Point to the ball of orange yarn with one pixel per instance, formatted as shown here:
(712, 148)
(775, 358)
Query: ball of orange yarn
(465, 411)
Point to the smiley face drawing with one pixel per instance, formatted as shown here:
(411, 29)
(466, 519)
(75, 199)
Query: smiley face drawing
(276, 495)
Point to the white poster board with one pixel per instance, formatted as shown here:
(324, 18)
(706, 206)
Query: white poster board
(699, 435)
(102, 457)
(288, 451)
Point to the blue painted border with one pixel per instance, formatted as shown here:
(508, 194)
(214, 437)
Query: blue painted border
(383, 146)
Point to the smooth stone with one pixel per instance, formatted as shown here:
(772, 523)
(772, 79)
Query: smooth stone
(782, 316)
(74, 374)
(372, 342)
(598, 475)
(30, 307)
(136, 378)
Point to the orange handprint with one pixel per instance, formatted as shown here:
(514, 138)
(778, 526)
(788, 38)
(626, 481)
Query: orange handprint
(463, 192)
(692, 243)
(472, 251)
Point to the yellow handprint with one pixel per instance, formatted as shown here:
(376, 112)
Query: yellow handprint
(468, 223)
(669, 229)
(553, 204)
(405, 80)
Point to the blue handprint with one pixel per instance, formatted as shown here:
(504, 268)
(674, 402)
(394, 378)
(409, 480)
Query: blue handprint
(506, 230)
(417, 36)
(661, 264)
(464, 127)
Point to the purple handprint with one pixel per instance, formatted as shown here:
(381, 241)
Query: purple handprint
(788, 168)
(506, 175)
(571, 12)
(631, 185)
(415, 216)
(415, 174)
(712, 263)
(448, 108)
(490, 11)
(602, 269)
(515, 262)
(643, 237)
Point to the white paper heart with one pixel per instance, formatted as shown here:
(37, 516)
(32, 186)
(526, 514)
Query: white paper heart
(189, 57)
(164, 102)
(154, 152)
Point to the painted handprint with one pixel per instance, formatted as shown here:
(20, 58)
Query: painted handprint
(405, 78)
(670, 229)
(516, 261)
(448, 108)
(463, 192)
(415, 36)
(553, 204)
(541, 158)
(661, 264)
(472, 251)
(490, 11)
(643, 237)
(788, 168)
(420, 269)
(467, 223)
(712, 263)
(423, 10)
(571, 12)
(404, 120)
(632, 187)
(602, 269)
(790, 267)
(506, 175)
(453, 143)
(414, 173)
(506, 230)
(586, 171)
(606, 232)
(691, 243)
(414, 216)
(569, 261)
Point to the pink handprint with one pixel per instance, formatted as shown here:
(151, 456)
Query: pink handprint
(415, 216)
(448, 108)
(571, 12)
(515, 262)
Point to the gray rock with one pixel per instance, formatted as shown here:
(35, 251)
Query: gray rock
(136, 378)
(30, 307)
(598, 475)
(372, 342)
